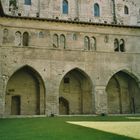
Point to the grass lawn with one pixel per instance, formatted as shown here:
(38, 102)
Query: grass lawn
(57, 128)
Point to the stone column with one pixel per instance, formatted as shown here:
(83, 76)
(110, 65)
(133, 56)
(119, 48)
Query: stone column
(100, 100)
(3, 82)
(52, 98)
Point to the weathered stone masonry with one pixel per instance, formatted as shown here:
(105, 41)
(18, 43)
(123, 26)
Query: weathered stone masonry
(65, 67)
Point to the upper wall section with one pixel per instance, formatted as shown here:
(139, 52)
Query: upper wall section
(63, 35)
(98, 11)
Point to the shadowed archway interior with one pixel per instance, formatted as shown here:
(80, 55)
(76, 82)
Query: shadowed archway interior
(123, 94)
(76, 92)
(25, 93)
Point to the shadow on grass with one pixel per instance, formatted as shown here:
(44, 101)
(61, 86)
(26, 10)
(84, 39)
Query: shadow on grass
(55, 128)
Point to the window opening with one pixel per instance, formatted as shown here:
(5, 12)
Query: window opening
(25, 39)
(126, 10)
(96, 10)
(63, 41)
(55, 41)
(65, 7)
(27, 2)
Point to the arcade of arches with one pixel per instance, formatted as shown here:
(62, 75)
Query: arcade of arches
(123, 94)
(25, 94)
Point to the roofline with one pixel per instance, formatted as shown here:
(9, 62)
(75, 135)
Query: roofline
(2, 14)
(70, 21)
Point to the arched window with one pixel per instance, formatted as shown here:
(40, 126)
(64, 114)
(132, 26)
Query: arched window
(122, 45)
(96, 10)
(25, 39)
(18, 38)
(27, 2)
(116, 45)
(63, 41)
(74, 36)
(87, 43)
(41, 34)
(5, 36)
(55, 41)
(126, 10)
(65, 7)
(93, 43)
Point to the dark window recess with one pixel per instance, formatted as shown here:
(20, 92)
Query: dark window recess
(65, 7)
(25, 39)
(66, 80)
(126, 10)
(27, 2)
(96, 10)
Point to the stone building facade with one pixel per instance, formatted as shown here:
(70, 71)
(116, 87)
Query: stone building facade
(57, 65)
(125, 12)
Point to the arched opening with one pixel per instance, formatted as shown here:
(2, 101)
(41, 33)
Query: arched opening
(122, 45)
(63, 106)
(65, 7)
(123, 94)
(15, 105)
(76, 89)
(25, 39)
(55, 41)
(93, 43)
(62, 41)
(75, 37)
(87, 43)
(126, 10)
(18, 38)
(25, 93)
(5, 36)
(116, 45)
(96, 10)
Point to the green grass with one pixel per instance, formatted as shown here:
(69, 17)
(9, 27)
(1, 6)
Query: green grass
(56, 128)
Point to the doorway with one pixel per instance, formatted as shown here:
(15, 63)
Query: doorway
(15, 105)
(63, 106)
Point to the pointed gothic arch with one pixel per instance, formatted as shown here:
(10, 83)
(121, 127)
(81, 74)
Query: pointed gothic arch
(86, 43)
(123, 94)
(25, 88)
(76, 88)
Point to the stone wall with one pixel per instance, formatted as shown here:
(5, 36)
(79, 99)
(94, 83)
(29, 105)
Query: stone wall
(82, 10)
(53, 64)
